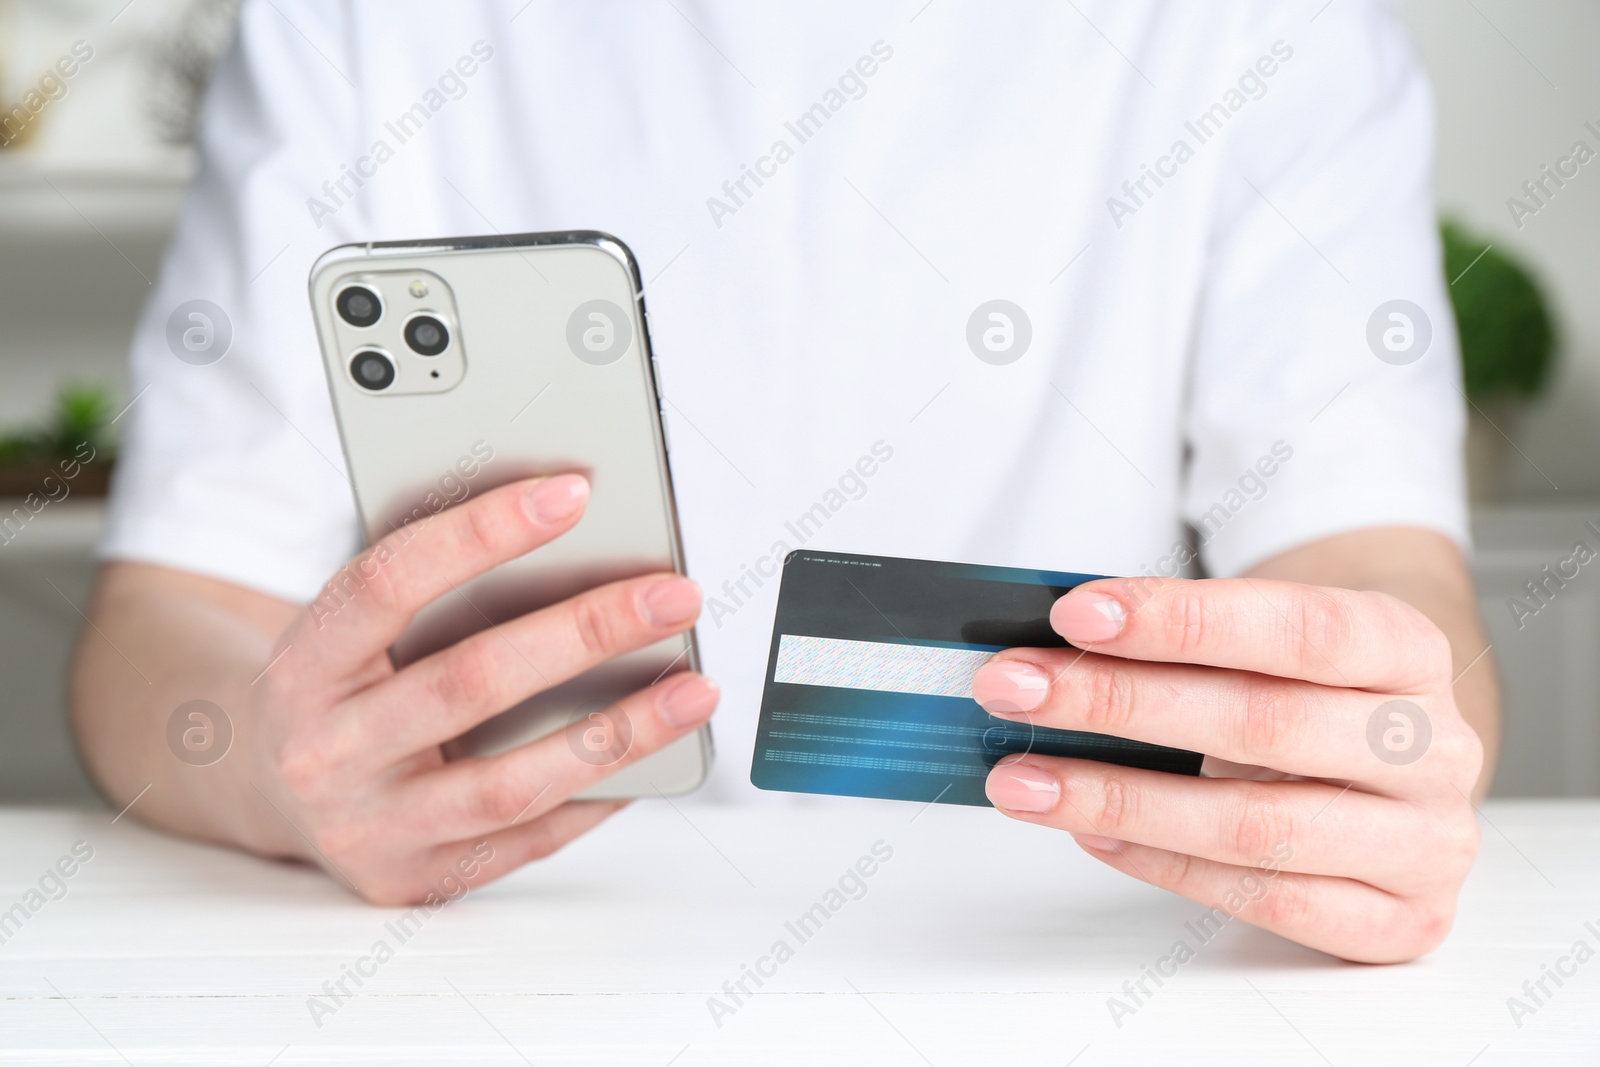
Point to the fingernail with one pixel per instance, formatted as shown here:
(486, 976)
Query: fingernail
(1019, 787)
(1098, 843)
(1087, 617)
(689, 702)
(1009, 687)
(553, 499)
(671, 602)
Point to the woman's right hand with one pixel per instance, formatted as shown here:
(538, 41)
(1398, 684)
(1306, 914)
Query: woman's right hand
(348, 748)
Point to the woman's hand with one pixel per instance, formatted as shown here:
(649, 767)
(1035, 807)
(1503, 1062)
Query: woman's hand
(1344, 769)
(348, 749)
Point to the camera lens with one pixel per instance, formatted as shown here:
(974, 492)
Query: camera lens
(359, 306)
(372, 370)
(427, 336)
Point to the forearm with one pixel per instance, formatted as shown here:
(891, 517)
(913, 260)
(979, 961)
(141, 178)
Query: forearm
(1427, 571)
(159, 639)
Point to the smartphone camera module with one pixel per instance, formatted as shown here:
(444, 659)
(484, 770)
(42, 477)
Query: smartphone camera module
(372, 370)
(426, 335)
(359, 306)
(398, 333)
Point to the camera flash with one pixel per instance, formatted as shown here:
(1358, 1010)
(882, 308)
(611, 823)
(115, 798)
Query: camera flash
(419, 289)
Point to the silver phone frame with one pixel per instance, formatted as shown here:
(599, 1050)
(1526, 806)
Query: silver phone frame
(375, 252)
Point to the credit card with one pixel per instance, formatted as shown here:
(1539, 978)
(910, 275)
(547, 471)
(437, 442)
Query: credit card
(869, 679)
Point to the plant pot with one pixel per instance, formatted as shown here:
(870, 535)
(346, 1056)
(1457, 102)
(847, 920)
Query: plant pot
(17, 480)
(1491, 426)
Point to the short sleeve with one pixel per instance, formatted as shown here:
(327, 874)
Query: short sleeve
(1325, 391)
(231, 466)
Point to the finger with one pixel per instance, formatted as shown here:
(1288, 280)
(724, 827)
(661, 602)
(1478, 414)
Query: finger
(448, 871)
(1252, 719)
(370, 601)
(1345, 918)
(529, 841)
(489, 857)
(1301, 827)
(443, 695)
(1329, 636)
(470, 797)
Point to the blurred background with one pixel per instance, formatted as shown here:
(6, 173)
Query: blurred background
(93, 166)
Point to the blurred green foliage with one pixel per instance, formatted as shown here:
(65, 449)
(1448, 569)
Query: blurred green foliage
(1508, 336)
(82, 414)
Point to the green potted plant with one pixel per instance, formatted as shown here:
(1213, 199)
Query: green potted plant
(74, 447)
(1508, 343)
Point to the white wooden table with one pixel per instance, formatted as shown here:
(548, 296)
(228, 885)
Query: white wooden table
(979, 941)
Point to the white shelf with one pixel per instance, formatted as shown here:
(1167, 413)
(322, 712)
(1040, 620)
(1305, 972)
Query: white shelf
(37, 201)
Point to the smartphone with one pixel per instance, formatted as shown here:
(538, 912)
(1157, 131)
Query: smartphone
(460, 364)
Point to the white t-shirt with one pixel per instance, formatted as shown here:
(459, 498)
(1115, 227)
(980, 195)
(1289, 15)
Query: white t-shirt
(1198, 209)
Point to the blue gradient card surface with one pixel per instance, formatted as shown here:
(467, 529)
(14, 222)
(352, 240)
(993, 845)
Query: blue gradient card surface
(869, 679)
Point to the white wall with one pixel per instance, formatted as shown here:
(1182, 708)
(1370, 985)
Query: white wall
(1516, 80)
